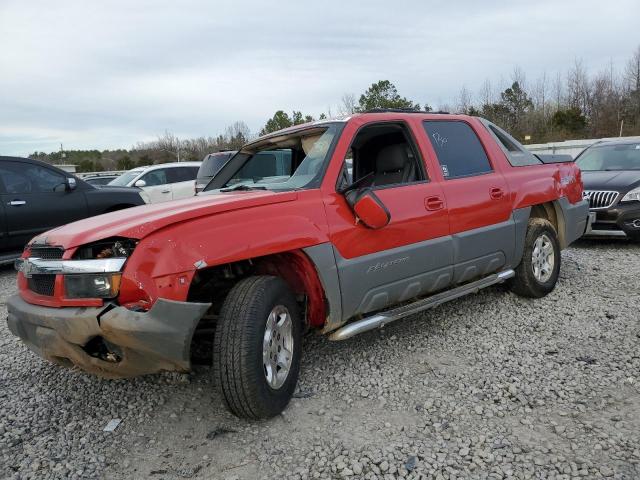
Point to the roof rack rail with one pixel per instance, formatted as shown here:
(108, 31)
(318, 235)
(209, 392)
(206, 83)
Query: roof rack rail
(401, 110)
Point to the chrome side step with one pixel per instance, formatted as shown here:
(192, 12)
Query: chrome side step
(379, 320)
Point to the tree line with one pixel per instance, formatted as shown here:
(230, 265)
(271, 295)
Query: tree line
(570, 106)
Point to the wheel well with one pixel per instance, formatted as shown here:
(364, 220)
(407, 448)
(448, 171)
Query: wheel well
(294, 267)
(551, 212)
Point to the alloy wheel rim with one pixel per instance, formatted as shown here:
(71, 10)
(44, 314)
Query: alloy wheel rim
(543, 258)
(277, 346)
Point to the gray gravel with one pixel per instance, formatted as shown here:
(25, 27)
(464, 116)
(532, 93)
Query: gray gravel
(492, 386)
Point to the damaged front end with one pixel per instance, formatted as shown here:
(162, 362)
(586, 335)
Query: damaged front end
(79, 319)
(109, 341)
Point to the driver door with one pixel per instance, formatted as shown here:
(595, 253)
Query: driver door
(411, 255)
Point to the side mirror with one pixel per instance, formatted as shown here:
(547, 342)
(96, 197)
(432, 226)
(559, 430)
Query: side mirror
(140, 184)
(70, 184)
(368, 208)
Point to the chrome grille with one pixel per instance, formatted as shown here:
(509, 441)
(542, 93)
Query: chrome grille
(600, 198)
(47, 253)
(42, 284)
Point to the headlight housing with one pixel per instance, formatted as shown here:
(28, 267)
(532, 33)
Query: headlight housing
(109, 255)
(632, 196)
(94, 285)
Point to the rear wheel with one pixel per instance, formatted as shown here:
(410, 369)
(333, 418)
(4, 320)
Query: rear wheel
(538, 272)
(257, 347)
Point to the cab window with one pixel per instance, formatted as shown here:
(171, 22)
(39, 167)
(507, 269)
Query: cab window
(28, 178)
(382, 155)
(458, 149)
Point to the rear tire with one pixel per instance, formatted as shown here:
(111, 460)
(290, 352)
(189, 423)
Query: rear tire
(257, 347)
(538, 272)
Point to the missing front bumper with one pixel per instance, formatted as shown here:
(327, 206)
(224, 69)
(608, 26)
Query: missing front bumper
(142, 342)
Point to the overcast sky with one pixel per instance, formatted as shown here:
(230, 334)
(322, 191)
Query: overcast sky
(107, 74)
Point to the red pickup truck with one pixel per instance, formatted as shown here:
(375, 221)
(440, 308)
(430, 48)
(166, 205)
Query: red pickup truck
(339, 225)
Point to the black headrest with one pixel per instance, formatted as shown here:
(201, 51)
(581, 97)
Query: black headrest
(391, 158)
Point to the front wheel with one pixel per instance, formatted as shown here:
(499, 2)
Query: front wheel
(538, 272)
(257, 347)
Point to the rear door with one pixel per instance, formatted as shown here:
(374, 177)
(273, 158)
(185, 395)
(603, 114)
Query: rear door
(35, 200)
(477, 195)
(157, 185)
(183, 181)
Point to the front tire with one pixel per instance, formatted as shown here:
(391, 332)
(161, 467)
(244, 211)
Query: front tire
(257, 347)
(538, 272)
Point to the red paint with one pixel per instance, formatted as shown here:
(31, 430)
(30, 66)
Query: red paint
(229, 227)
(370, 210)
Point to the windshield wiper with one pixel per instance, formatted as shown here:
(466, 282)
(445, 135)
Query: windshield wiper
(238, 188)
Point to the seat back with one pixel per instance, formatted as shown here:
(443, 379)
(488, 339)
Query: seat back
(393, 165)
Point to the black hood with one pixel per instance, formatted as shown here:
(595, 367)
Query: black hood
(619, 181)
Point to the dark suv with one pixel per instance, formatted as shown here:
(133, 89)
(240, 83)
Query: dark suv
(37, 197)
(611, 176)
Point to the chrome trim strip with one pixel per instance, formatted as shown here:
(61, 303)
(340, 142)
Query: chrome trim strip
(605, 233)
(381, 319)
(39, 266)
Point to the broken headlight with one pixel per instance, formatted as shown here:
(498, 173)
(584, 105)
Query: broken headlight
(110, 248)
(95, 270)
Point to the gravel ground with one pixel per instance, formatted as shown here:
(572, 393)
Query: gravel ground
(491, 386)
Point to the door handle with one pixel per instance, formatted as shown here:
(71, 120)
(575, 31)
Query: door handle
(166, 191)
(433, 203)
(496, 193)
(17, 203)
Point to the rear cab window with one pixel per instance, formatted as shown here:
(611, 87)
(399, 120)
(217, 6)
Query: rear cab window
(457, 148)
(517, 155)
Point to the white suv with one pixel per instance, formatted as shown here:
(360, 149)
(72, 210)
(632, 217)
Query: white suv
(163, 182)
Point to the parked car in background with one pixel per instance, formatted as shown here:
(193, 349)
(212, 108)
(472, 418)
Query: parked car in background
(211, 164)
(611, 176)
(163, 182)
(99, 180)
(37, 197)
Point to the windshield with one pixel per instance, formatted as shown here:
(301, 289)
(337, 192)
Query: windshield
(126, 178)
(213, 163)
(610, 157)
(286, 162)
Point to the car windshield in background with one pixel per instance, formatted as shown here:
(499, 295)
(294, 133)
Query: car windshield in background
(124, 179)
(287, 162)
(213, 163)
(610, 158)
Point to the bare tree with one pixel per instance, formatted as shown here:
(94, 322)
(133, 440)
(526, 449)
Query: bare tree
(558, 90)
(518, 76)
(578, 88)
(348, 104)
(486, 93)
(464, 100)
(540, 93)
(632, 72)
